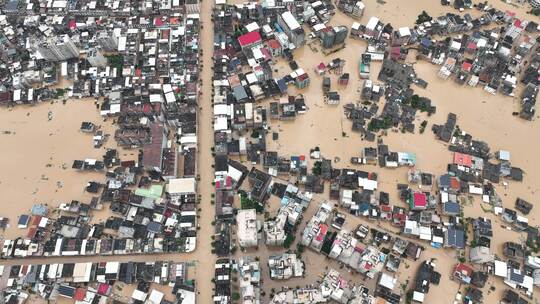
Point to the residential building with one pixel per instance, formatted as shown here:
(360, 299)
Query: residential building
(292, 28)
(58, 48)
(250, 280)
(96, 58)
(247, 228)
(107, 41)
(285, 266)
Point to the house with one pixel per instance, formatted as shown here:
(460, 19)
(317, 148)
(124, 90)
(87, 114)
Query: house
(152, 154)
(301, 78)
(523, 206)
(462, 159)
(275, 47)
(513, 250)
(481, 255)
(259, 182)
(285, 266)
(250, 40)
(451, 208)
(182, 190)
(425, 275)
(247, 228)
(479, 279)
(249, 271)
(463, 273)
(511, 297)
(417, 201)
(353, 8)
(292, 28)
(454, 238)
(482, 230)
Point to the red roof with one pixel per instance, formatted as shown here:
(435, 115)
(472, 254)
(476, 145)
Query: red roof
(80, 293)
(454, 183)
(322, 232)
(274, 44)
(249, 38)
(35, 220)
(266, 53)
(302, 77)
(103, 289)
(72, 24)
(471, 46)
(158, 21)
(467, 66)
(462, 159)
(463, 269)
(31, 233)
(386, 208)
(419, 199)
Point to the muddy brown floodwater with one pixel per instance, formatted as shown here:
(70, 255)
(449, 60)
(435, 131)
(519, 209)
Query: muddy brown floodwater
(36, 153)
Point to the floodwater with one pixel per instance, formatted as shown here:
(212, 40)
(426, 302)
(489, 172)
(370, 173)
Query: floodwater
(35, 151)
(487, 117)
(37, 154)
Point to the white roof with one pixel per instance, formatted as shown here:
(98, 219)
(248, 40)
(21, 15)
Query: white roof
(372, 23)
(252, 27)
(181, 185)
(475, 190)
(155, 98)
(367, 184)
(504, 155)
(501, 270)
(425, 233)
(387, 281)
(138, 295)
(455, 45)
(533, 262)
(418, 296)
(221, 109)
(59, 4)
(169, 97)
(188, 297)
(122, 40)
(81, 272)
(155, 297)
(167, 88)
(112, 267)
(188, 139)
(319, 26)
(251, 78)
(289, 19)
(234, 173)
(404, 31)
(221, 124)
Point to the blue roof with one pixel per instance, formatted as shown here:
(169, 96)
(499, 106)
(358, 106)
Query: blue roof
(39, 209)
(425, 42)
(451, 207)
(154, 227)
(364, 207)
(66, 291)
(24, 219)
(282, 85)
(456, 238)
(516, 276)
